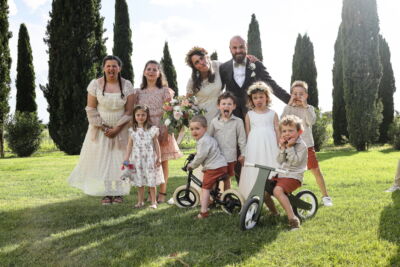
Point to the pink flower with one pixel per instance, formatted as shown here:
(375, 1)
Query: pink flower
(177, 115)
(167, 108)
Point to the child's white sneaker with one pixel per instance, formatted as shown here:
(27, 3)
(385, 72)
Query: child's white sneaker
(393, 188)
(171, 201)
(327, 201)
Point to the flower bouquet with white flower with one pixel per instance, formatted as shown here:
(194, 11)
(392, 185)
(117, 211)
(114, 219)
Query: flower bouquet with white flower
(179, 112)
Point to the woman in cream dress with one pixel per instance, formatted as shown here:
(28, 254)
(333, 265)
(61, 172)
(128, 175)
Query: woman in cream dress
(109, 108)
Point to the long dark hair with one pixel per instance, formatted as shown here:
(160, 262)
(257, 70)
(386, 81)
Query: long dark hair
(160, 83)
(119, 62)
(147, 123)
(196, 77)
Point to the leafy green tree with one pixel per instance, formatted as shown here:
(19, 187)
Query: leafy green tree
(303, 67)
(5, 65)
(362, 70)
(24, 133)
(25, 82)
(76, 49)
(319, 129)
(253, 39)
(214, 56)
(169, 69)
(387, 88)
(123, 39)
(339, 121)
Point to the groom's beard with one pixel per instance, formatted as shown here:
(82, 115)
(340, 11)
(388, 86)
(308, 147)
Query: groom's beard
(239, 57)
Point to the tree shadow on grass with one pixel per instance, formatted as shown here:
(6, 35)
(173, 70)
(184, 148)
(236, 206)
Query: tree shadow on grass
(80, 232)
(389, 226)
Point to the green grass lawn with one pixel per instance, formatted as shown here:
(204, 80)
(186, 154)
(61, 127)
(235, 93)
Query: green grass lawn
(44, 222)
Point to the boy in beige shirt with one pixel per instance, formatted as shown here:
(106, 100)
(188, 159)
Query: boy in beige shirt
(209, 156)
(298, 106)
(229, 132)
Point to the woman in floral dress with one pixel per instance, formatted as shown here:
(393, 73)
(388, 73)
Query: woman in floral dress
(153, 93)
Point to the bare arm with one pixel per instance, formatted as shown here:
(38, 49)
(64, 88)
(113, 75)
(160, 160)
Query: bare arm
(276, 128)
(128, 149)
(157, 149)
(247, 125)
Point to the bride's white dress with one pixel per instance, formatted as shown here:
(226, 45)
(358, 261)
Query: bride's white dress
(98, 170)
(261, 148)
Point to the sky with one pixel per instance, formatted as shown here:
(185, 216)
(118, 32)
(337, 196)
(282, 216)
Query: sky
(211, 24)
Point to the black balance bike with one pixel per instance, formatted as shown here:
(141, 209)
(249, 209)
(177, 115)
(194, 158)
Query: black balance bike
(186, 196)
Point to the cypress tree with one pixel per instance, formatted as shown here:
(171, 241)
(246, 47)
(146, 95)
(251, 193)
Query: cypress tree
(214, 56)
(339, 121)
(25, 82)
(169, 69)
(253, 39)
(122, 39)
(76, 48)
(362, 70)
(387, 88)
(5, 65)
(303, 67)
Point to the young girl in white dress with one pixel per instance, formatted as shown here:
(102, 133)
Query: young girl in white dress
(262, 129)
(143, 151)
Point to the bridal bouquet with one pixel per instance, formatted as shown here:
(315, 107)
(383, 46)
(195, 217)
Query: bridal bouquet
(179, 112)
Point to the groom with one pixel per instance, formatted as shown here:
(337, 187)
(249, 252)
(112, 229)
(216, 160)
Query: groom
(238, 74)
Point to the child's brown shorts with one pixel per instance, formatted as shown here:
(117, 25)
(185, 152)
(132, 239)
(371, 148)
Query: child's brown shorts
(288, 184)
(211, 176)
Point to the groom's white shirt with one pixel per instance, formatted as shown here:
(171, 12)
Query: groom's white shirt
(239, 72)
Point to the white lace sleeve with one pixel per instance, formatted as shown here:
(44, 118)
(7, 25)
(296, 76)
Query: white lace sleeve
(92, 87)
(128, 88)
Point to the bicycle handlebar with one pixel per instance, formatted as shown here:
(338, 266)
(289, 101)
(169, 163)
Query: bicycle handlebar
(249, 164)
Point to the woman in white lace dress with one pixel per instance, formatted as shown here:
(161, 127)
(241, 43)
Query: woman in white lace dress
(109, 108)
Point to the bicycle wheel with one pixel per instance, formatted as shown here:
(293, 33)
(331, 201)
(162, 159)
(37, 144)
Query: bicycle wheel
(186, 198)
(232, 201)
(308, 197)
(249, 215)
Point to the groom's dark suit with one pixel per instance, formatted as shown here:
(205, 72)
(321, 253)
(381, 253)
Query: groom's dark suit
(261, 74)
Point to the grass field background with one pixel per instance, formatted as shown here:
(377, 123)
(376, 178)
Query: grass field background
(45, 222)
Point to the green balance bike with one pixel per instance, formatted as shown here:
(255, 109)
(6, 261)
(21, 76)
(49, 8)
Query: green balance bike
(304, 203)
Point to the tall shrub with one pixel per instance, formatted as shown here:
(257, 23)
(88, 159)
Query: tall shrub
(362, 70)
(25, 82)
(387, 88)
(76, 48)
(169, 69)
(123, 39)
(5, 65)
(254, 39)
(303, 67)
(339, 121)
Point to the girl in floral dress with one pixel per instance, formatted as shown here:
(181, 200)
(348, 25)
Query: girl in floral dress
(153, 93)
(143, 151)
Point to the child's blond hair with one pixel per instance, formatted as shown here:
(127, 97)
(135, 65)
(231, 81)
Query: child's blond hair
(259, 87)
(301, 84)
(291, 120)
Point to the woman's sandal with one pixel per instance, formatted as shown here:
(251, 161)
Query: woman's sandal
(139, 205)
(107, 200)
(163, 194)
(118, 199)
(202, 215)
